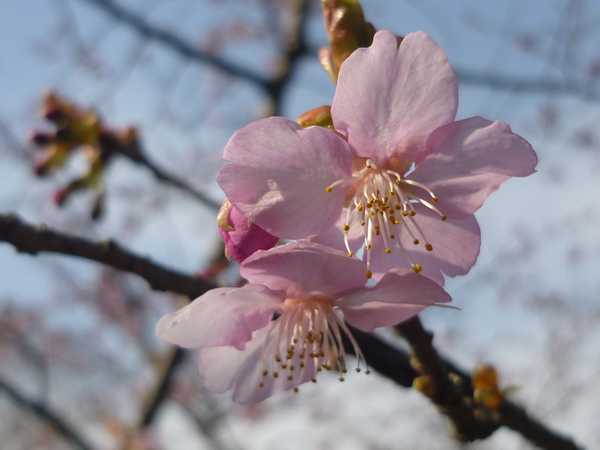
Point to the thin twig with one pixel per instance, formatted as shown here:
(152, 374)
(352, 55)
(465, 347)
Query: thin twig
(132, 150)
(179, 44)
(47, 416)
(170, 40)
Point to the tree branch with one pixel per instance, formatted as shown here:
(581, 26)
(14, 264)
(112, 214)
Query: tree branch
(133, 150)
(387, 360)
(46, 415)
(451, 391)
(176, 43)
(35, 239)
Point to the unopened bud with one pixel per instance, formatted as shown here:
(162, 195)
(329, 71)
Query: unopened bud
(320, 116)
(240, 236)
(40, 138)
(486, 390)
(424, 384)
(347, 29)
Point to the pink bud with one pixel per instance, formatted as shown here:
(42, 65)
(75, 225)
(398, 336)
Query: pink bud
(241, 237)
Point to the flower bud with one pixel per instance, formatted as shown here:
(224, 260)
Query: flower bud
(485, 387)
(320, 116)
(241, 237)
(347, 29)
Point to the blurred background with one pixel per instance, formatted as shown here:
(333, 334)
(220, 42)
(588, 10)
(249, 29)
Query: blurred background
(77, 339)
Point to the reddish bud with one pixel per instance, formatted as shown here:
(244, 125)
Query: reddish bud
(40, 138)
(241, 237)
(60, 196)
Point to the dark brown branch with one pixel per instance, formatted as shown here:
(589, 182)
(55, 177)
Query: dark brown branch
(35, 239)
(46, 416)
(451, 391)
(387, 360)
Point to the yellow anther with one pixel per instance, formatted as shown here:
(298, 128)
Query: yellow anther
(346, 228)
(369, 274)
(328, 189)
(350, 254)
(388, 250)
(416, 268)
(428, 247)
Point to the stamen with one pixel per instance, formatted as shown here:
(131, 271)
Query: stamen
(334, 184)
(384, 205)
(421, 186)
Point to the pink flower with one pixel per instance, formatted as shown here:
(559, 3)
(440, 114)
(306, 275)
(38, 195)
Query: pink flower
(399, 178)
(240, 236)
(289, 322)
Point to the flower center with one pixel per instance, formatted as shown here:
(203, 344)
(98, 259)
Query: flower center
(383, 205)
(307, 338)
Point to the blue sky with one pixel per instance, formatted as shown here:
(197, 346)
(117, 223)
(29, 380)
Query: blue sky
(555, 211)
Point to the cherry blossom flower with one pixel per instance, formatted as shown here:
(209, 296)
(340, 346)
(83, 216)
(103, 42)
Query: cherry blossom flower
(289, 323)
(399, 177)
(240, 236)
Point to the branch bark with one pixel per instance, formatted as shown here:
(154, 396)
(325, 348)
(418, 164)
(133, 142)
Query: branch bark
(452, 392)
(386, 359)
(46, 415)
(31, 239)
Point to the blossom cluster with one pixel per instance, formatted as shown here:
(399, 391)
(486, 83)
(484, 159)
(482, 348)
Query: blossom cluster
(373, 208)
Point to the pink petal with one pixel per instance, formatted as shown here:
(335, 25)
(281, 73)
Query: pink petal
(398, 296)
(223, 316)
(389, 98)
(455, 242)
(225, 368)
(277, 173)
(470, 159)
(304, 267)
